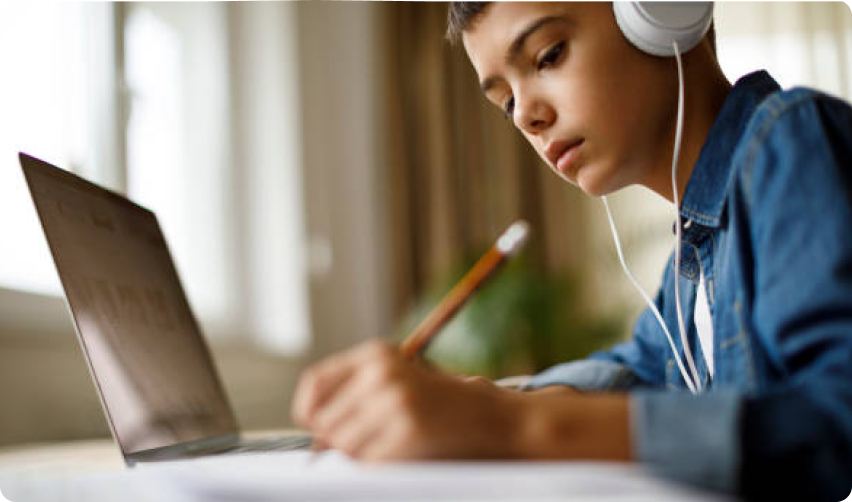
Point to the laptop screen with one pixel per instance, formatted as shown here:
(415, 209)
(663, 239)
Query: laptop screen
(151, 366)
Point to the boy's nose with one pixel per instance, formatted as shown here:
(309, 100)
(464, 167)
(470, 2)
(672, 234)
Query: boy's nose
(534, 117)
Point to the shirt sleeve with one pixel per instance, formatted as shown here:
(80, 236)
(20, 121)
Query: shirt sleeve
(681, 437)
(791, 438)
(797, 189)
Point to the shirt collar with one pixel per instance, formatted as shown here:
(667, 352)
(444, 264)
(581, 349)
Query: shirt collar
(705, 193)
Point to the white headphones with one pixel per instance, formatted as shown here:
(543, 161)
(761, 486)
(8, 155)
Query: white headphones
(666, 29)
(652, 26)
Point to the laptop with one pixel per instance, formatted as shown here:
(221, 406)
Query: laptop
(151, 367)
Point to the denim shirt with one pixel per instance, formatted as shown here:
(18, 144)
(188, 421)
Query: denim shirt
(768, 212)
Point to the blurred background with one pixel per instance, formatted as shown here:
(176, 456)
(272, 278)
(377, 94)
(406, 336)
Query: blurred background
(323, 172)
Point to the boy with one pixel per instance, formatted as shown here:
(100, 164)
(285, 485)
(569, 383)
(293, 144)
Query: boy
(765, 188)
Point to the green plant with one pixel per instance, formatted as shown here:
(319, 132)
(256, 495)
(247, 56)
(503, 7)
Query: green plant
(519, 322)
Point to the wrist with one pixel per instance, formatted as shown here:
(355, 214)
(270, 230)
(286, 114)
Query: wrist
(573, 425)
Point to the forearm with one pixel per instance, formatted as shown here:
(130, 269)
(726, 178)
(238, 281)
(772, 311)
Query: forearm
(559, 423)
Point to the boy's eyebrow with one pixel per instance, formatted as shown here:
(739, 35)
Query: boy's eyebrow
(518, 44)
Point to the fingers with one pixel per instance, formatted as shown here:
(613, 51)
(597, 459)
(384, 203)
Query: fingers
(314, 388)
(399, 439)
(382, 431)
(318, 444)
(353, 400)
(381, 448)
(364, 426)
(374, 405)
(323, 380)
(359, 388)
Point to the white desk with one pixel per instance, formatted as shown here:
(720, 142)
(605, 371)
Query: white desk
(93, 471)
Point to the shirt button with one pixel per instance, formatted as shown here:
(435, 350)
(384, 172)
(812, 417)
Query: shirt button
(686, 225)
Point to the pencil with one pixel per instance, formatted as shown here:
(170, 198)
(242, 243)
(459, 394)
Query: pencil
(507, 245)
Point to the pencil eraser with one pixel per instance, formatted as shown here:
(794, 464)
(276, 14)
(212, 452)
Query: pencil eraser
(514, 237)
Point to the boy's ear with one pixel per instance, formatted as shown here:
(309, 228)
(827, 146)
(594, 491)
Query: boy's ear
(654, 26)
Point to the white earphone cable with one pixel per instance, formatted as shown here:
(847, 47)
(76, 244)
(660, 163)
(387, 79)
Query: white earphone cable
(692, 381)
(645, 296)
(678, 231)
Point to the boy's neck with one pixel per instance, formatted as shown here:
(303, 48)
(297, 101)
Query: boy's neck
(706, 89)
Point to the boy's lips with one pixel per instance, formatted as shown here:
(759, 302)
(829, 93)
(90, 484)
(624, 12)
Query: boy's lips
(562, 153)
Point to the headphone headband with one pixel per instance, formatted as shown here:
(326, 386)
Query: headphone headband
(652, 26)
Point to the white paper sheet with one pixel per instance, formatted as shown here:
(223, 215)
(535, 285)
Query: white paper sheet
(307, 477)
(304, 476)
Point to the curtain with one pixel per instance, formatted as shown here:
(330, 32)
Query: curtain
(457, 171)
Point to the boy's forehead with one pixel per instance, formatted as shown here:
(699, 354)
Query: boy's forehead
(501, 13)
(490, 36)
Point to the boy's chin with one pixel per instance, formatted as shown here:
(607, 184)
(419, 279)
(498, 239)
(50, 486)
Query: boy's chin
(595, 186)
(588, 181)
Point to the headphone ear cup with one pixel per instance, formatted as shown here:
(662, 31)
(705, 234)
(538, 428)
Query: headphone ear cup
(653, 26)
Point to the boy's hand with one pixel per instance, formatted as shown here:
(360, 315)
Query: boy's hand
(372, 404)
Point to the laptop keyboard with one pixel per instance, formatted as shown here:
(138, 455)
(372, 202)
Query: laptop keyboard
(273, 445)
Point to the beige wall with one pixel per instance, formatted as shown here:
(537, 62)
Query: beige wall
(48, 395)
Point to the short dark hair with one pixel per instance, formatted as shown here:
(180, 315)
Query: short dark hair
(461, 15)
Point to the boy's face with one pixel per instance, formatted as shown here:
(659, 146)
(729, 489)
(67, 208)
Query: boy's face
(596, 109)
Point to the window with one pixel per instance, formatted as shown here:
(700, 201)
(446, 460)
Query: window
(163, 108)
(177, 146)
(56, 83)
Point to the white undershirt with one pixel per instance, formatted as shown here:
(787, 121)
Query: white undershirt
(704, 323)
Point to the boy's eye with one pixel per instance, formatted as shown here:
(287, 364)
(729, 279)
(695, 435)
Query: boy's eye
(509, 108)
(551, 56)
